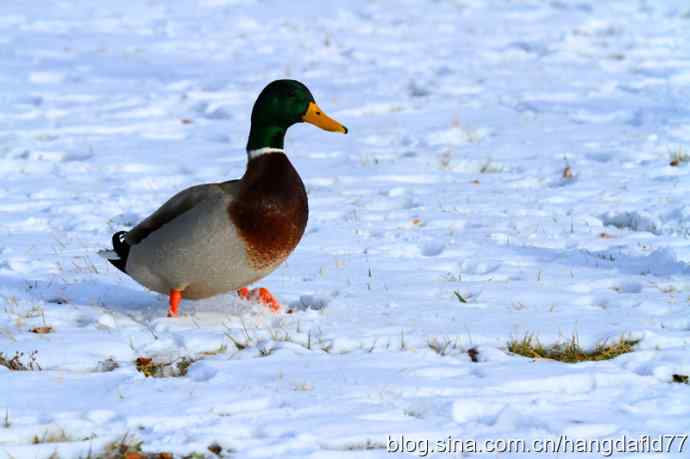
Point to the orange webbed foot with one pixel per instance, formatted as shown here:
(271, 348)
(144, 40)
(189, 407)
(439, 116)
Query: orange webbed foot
(243, 293)
(260, 295)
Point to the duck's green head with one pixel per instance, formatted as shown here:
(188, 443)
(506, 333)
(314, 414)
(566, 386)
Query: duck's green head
(280, 105)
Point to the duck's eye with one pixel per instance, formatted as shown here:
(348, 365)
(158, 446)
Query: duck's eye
(292, 94)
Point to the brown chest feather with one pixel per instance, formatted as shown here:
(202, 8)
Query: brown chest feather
(270, 211)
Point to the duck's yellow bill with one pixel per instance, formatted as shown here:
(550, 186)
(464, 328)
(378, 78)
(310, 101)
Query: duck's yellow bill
(318, 118)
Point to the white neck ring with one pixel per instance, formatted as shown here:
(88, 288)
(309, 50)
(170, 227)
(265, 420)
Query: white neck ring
(263, 151)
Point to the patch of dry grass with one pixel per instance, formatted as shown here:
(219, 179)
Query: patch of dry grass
(125, 448)
(444, 346)
(51, 436)
(19, 363)
(679, 157)
(570, 351)
(680, 379)
(130, 448)
(266, 340)
(163, 369)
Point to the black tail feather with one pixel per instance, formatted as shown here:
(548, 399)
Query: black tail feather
(122, 249)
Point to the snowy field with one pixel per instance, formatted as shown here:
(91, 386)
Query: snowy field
(516, 154)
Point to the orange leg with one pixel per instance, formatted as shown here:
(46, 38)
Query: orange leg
(261, 295)
(175, 298)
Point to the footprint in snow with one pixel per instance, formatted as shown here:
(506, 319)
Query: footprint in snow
(631, 220)
(313, 302)
(432, 248)
(441, 372)
(627, 287)
(218, 113)
(126, 219)
(55, 156)
(478, 267)
(212, 111)
(599, 156)
(201, 371)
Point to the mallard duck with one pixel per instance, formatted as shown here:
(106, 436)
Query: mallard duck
(217, 237)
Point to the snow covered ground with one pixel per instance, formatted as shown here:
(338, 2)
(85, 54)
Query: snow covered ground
(517, 153)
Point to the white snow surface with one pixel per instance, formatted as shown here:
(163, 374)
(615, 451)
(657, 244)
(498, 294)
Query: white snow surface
(463, 116)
